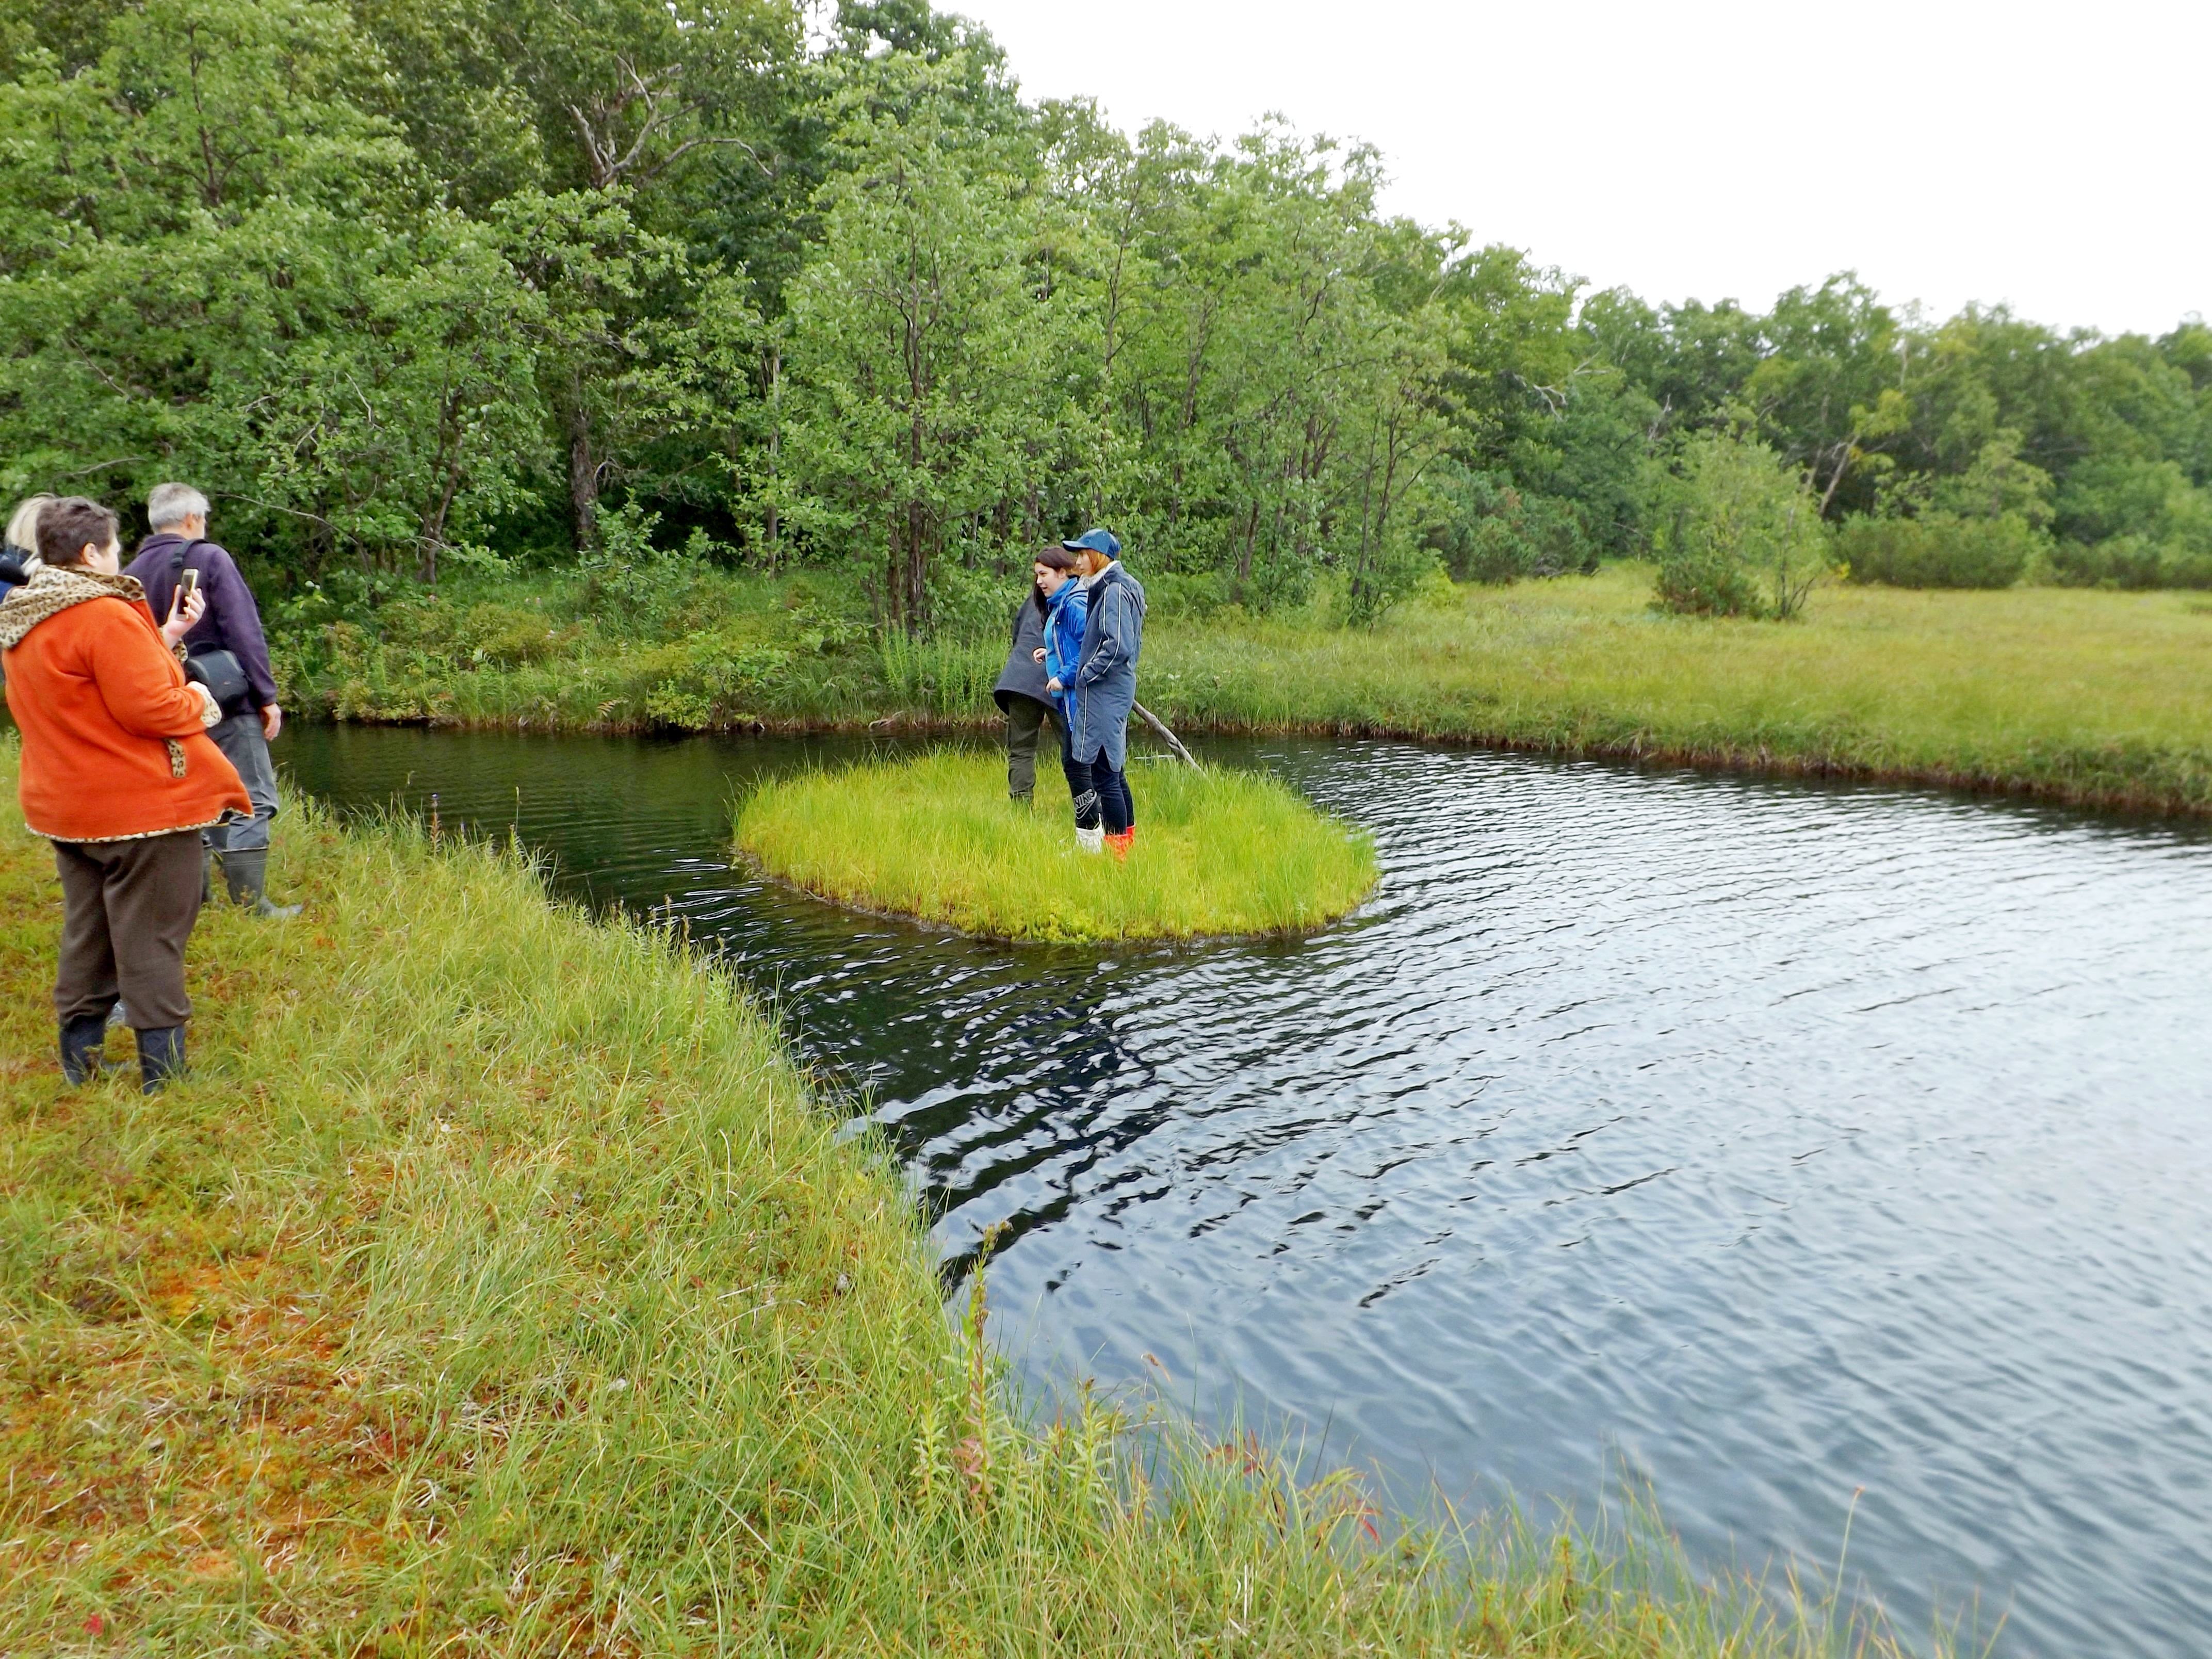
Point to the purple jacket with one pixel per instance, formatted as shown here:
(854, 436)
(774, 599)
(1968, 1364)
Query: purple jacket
(233, 622)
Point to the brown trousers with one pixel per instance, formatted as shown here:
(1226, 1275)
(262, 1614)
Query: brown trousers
(127, 908)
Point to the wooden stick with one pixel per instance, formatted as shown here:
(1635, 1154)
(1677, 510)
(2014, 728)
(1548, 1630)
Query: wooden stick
(1160, 731)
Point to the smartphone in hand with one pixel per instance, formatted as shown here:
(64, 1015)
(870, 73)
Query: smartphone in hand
(187, 585)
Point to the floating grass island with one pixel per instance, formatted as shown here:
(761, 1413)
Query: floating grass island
(1218, 854)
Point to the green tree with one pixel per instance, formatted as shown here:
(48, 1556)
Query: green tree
(1743, 529)
(926, 412)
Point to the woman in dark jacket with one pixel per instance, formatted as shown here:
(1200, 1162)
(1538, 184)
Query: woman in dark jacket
(1020, 692)
(1105, 683)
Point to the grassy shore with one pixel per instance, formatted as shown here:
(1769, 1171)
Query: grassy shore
(1218, 853)
(496, 1286)
(2061, 693)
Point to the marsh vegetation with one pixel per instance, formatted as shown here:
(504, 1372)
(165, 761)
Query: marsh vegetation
(1218, 853)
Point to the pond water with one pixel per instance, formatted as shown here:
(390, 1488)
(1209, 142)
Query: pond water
(1771, 1143)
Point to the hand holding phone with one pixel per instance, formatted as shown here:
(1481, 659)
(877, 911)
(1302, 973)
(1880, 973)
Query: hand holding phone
(185, 609)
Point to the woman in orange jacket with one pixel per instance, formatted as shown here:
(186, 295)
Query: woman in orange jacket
(119, 774)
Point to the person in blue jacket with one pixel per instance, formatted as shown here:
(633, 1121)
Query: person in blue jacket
(1065, 605)
(1105, 683)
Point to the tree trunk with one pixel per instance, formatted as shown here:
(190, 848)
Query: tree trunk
(775, 453)
(583, 477)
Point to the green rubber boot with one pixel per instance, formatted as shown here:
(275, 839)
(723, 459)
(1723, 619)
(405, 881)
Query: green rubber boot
(81, 1040)
(161, 1059)
(246, 877)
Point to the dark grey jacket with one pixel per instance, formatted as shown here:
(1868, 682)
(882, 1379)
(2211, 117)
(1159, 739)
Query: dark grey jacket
(1023, 675)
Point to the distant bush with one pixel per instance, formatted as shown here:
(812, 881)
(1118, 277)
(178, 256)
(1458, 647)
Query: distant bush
(1495, 533)
(1741, 535)
(2131, 562)
(1186, 596)
(1940, 549)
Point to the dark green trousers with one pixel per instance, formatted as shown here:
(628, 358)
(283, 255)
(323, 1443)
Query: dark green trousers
(1026, 720)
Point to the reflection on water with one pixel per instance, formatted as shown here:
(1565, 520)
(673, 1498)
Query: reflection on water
(1778, 1141)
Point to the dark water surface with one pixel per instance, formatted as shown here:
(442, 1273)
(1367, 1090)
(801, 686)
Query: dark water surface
(1770, 1141)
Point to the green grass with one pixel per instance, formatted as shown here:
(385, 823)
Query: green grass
(497, 1287)
(2092, 697)
(2064, 694)
(1216, 853)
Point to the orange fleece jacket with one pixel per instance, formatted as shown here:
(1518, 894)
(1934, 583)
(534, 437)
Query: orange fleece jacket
(112, 745)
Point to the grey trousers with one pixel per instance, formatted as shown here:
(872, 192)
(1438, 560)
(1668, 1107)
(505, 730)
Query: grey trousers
(127, 908)
(1026, 720)
(240, 740)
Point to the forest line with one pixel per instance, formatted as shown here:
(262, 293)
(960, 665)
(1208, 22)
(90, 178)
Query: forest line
(414, 286)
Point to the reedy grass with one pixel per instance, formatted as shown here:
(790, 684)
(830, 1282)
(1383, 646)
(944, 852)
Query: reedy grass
(2063, 694)
(497, 1286)
(1218, 852)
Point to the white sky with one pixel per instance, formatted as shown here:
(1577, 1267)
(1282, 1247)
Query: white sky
(2055, 157)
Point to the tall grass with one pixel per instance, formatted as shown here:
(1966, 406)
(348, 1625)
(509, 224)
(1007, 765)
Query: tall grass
(946, 677)
(496, 1286)
(1217, 851)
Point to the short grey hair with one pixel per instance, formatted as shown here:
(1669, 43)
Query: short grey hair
(173, 503)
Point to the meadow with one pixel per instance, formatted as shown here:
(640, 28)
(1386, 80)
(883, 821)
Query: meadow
(1218, 852)
(2079, 696)
(499, 1286)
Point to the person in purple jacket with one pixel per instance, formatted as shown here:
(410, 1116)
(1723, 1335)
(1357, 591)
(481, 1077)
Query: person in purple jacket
(178, 514)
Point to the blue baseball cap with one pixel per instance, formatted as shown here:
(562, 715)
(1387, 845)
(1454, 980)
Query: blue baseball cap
(1095, 541)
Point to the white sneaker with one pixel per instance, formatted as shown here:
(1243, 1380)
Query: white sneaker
(1092, 839)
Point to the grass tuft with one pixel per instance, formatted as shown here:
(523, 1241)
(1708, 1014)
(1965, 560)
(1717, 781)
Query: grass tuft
(1216, 854)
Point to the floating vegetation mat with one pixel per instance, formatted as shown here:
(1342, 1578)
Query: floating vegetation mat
(1216, 854)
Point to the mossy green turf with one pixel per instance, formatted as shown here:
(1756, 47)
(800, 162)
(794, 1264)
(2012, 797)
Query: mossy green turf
(2065, 693)
(1216, 853)
(496, 1286)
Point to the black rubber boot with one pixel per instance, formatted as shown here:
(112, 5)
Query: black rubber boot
(161, 1058)
(81, 1041)
(247, 876)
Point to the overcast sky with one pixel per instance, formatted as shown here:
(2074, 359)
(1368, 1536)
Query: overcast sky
(2055, 157)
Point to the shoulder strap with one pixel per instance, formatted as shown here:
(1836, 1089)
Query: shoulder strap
(179, 561)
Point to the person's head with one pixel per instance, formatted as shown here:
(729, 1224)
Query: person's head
(1055, 567)
(177, 509)
(1096, 549)
(75, 534)
(23, 524)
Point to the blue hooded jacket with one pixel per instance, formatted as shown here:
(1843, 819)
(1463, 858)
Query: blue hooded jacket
(1064, 612)
(1106, 676)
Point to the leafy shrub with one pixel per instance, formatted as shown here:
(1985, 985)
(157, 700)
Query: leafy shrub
(709, 678)
(1940, 549)
(966, 603)
(1742, 535)
(2131, 562)
(647, 591)
(1497, 533)
(1193, 597)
